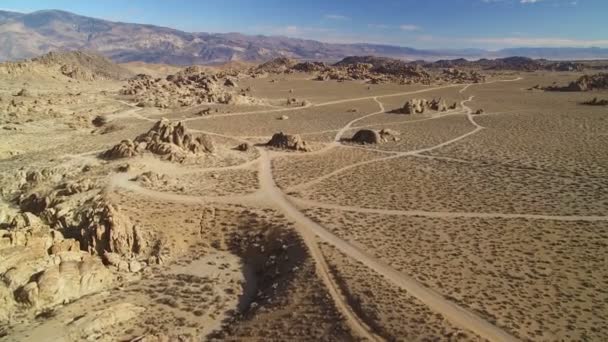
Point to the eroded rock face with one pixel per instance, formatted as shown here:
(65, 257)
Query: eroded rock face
(105, 229)
(39, 268)
(170, 140)
(65, 282)
(288, 142)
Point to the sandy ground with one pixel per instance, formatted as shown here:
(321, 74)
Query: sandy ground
(468, 227)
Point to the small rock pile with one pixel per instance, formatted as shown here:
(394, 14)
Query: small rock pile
(170, 140)
(288, 142)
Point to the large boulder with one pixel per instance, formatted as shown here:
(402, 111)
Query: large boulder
(288, 142)
(367, 136)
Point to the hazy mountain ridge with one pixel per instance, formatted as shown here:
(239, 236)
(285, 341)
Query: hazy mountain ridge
(32, 34)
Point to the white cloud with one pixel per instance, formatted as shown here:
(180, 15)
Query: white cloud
(11, 10)
(529, 1)
(378, 26)
(539, 42)
(336, 17)
(409, 27)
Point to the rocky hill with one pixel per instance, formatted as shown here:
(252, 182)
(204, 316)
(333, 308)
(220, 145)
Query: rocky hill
(25, 35)
(78, 65)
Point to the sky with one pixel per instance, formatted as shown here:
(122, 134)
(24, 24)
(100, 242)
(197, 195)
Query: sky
(454, 24)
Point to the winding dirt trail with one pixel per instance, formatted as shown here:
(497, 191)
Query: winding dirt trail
(395, 155)
(270, 194)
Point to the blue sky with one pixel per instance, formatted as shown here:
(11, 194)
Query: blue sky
(488, 24)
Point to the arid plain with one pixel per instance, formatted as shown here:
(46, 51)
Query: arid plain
(168, 207)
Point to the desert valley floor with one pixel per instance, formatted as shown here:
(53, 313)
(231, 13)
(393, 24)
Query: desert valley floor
(461, 225)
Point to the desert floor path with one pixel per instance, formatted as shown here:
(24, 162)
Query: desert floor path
(454, 313)
(447, 214)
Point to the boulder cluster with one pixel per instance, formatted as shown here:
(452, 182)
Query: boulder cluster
(288, 142)
(420, 106)
(401, 73)
(191, 86)
(311, 67)
(170, 140)
(454, 75)
(584, 83)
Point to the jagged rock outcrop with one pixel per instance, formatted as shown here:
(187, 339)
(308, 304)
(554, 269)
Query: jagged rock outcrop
(170, 140)
(288, 142)
(104, 228)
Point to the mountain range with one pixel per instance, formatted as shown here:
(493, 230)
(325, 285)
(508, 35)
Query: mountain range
(26, 35)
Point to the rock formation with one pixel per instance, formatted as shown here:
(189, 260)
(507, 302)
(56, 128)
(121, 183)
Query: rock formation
(276, 66)
(40, 269)
(369, 136)
(584, 83)
(191, 86)
(454, 75)
(310, 67)
(419, 106)
(170, 140)
(288, 142)
(103, 228)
